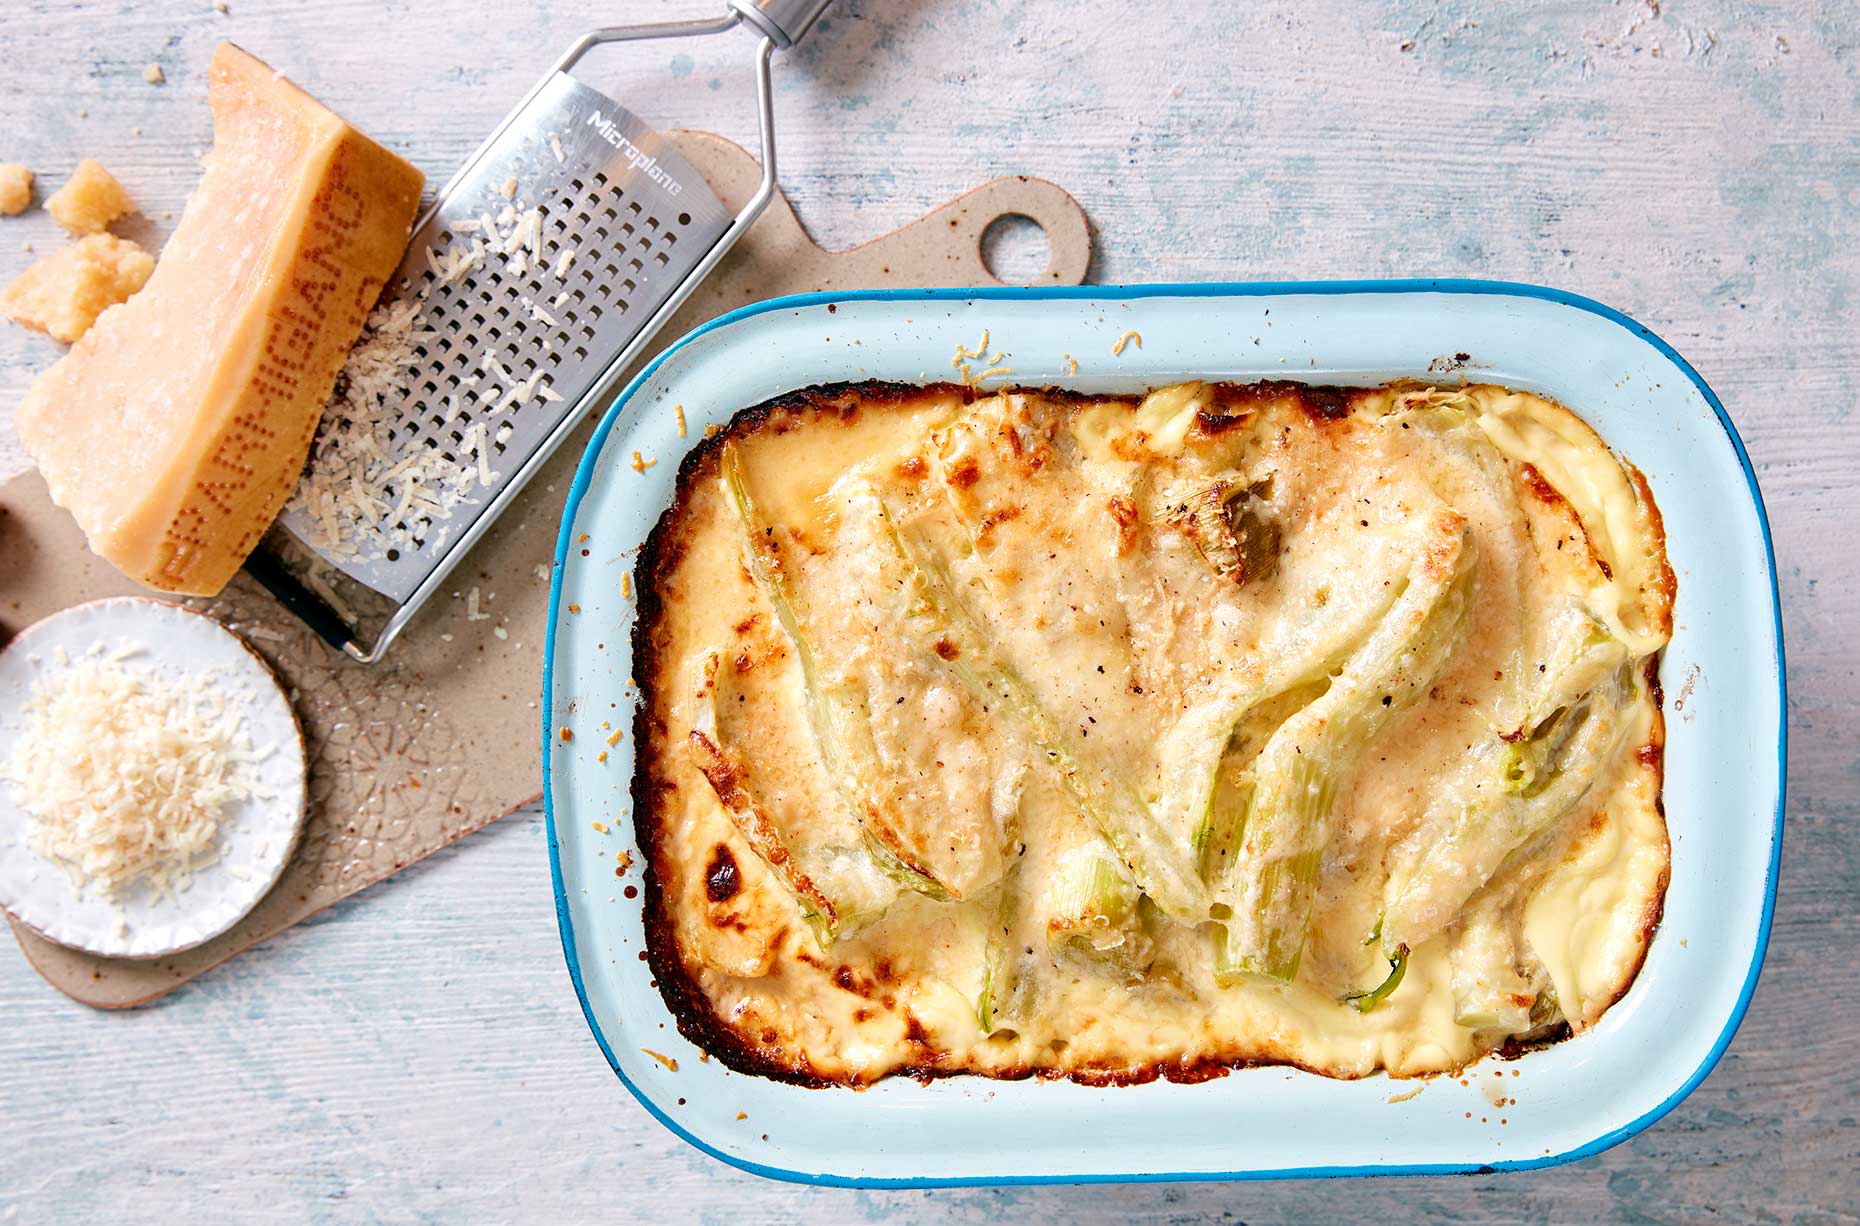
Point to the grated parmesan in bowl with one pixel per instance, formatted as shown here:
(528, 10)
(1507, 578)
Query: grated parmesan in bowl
(128, 774)
(152, 778)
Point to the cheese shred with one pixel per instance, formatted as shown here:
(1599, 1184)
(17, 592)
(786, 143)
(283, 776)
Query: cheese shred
(128, 775)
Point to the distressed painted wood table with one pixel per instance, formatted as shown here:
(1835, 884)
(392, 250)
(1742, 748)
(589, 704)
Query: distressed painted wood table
(417, 1052)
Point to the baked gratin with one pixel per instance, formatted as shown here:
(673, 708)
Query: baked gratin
(1114, 737)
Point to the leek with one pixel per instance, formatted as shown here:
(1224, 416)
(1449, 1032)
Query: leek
(836, 883)
(1451, 418)
(1265, 885)
(1084, 907)
(837, 710)
(1230, 526)
(1528, 784)
(996, 989)
(1483, 954)
(1161, 869)
(1090, 905)
(1366, 1001)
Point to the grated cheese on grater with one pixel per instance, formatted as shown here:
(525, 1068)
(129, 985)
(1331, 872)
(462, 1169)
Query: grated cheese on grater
(127, 773)
(368, 497)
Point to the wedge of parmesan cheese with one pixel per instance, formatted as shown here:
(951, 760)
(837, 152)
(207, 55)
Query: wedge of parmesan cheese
(127, 774)
(175, 429)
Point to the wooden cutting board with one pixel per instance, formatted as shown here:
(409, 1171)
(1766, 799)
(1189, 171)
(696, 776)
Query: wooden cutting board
(442, 739)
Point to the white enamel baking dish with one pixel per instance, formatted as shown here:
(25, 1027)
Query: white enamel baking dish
(1724, 762)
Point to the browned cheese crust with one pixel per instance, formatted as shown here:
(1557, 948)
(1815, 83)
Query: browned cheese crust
(783, 972)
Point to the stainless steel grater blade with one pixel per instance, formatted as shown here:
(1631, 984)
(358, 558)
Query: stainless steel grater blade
(622, 217)
(540, 272)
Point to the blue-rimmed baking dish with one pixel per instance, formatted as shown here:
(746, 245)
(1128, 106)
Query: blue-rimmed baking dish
(1724, 756)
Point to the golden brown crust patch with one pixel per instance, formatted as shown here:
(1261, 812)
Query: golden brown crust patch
(1665, 585)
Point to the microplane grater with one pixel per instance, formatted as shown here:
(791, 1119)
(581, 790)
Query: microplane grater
(639, 228)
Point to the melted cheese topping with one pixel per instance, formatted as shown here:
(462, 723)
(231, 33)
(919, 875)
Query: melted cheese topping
(1111, 738)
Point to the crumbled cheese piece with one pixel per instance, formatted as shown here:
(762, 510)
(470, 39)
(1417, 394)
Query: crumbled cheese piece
(90, 199)
(1127, 338)
(615, 738)
(509, 190)
(153, 74)
(62, 294)
(626, 586)
(680, 410)
(541, 572)
(1072, 364)
(500, 632)
(472, 612)
(640, 464)
(127, 773)
(15, 188)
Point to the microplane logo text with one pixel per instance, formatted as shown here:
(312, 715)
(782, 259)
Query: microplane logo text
(636, 157)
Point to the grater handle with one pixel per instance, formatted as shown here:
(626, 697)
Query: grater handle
(306, 605)
(786, 22)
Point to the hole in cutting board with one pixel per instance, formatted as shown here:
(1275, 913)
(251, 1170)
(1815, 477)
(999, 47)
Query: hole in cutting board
(1015, 249)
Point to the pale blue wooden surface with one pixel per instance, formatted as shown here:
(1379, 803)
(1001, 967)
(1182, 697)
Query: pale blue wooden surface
(416, 1053)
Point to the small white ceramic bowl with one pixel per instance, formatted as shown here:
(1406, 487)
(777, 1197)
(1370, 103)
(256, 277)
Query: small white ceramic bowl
(255, 839)
(1724, 756)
